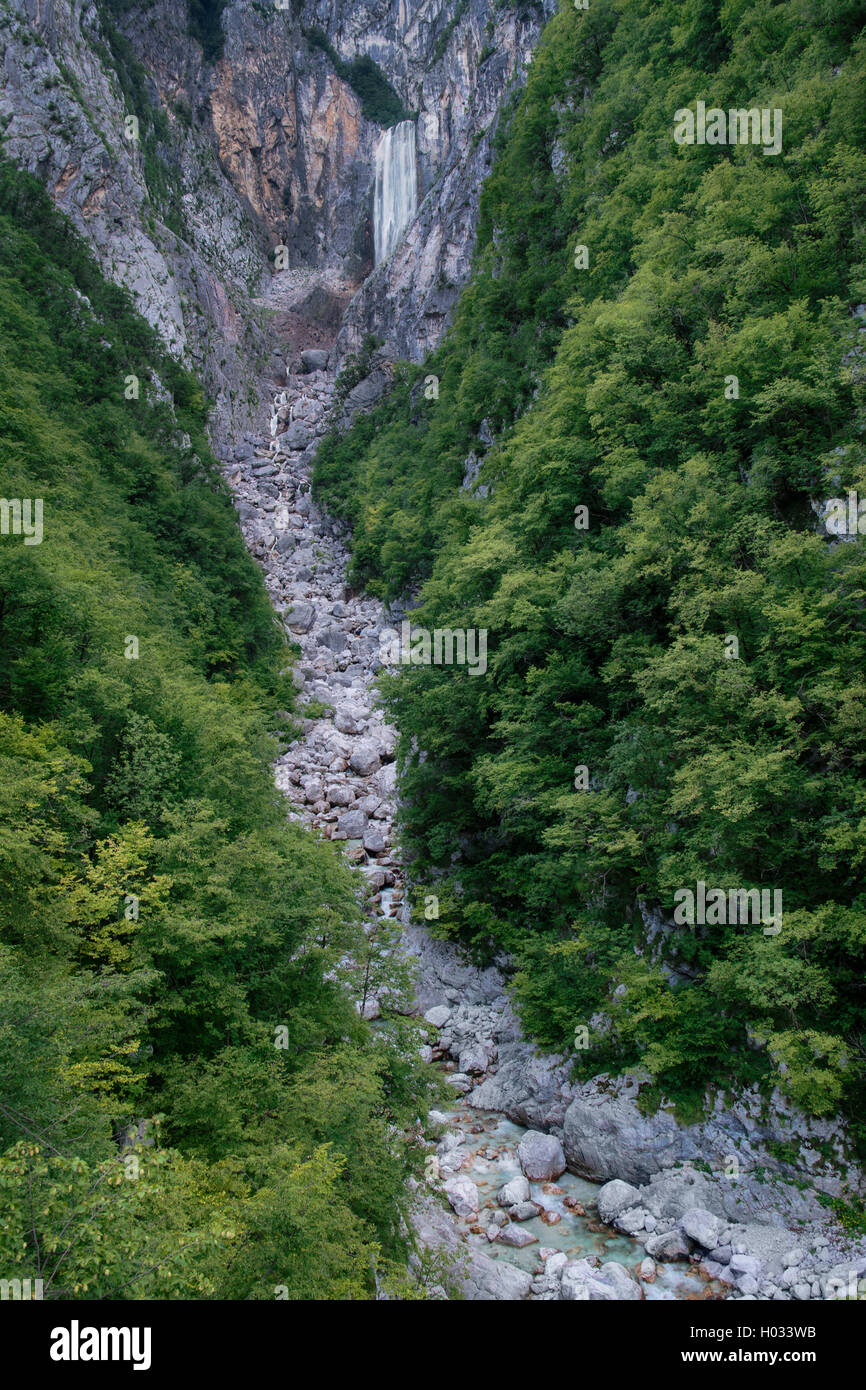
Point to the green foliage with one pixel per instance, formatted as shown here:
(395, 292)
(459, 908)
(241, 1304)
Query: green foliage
(205, 24)
(169, 943)
(445, 37)
(850, 1212)
(161, 175)
(379, 101)
(301, 1238)
(604, 387)
(356, 366)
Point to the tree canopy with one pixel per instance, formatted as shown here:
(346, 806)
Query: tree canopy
(669, 336)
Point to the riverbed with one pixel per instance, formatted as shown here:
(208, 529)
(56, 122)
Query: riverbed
(491, 1143)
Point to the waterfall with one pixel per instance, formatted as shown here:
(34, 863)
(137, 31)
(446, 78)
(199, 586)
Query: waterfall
(396, 195)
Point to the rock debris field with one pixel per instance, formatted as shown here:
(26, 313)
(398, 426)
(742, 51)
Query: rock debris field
(497, 1175)
(340, 776)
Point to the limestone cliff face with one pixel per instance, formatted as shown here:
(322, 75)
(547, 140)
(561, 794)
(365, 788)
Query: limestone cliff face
(286, 159)
(283, 129)
(454, 62)
(265, 146)
(291, 137)
(65, 119)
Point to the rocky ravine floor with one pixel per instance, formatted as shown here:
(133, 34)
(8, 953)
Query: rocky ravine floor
(669, 1220)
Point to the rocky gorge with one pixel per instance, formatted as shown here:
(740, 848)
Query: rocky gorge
(538, 1187)
(186, 172)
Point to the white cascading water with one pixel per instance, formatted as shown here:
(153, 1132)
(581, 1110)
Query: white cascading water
(396, 196)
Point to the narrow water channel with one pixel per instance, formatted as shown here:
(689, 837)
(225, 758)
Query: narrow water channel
(491, 1143)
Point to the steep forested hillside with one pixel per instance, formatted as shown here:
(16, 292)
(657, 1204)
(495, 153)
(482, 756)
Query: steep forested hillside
(170, 947)
(694, 380)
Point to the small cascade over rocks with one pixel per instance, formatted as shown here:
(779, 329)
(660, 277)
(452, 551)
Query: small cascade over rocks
(395, 199)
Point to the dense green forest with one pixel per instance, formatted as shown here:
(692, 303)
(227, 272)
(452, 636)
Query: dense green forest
(692, 377)
(172, 951)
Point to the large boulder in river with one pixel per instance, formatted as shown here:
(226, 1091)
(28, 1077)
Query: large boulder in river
(462, 1195)
(541, 1156)
(513, 1193)
(615, 1197)
(352, 825)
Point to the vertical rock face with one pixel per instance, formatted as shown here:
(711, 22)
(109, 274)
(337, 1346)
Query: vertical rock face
(283, 129)
(294, 161)
(267, 145)
(454, 63)
(188, 260)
